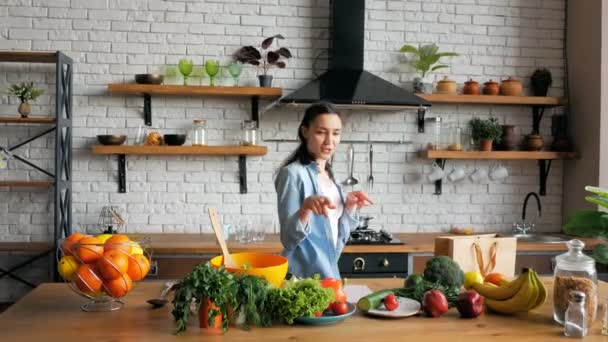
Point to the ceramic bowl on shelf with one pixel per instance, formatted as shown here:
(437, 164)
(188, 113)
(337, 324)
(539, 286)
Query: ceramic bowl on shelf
(111, 139)
(149, 78)
(174, 139)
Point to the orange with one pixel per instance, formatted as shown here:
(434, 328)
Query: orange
(113, 264)
(139, 266)
(69, 242)
(87, 280)
(120, 286)
(119, 242)
(89, 249)
(495, 278)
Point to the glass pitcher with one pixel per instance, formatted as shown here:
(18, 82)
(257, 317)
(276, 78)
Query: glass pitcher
(574, 271)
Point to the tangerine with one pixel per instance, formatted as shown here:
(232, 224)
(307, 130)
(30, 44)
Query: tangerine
(495, 278)
(113, 264)
(89, 249)
(119, 242)
(68, 245)
(119, 287)
(139, 266)
(86, 280)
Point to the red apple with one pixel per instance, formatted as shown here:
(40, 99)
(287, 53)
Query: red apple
(469, 304)
(434, 303)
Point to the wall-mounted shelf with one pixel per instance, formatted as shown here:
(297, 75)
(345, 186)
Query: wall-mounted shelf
(30, 120)
(147, 90)
(538, 103)
(29, 56)
(26, 184)
(440, 157)
(123, 150)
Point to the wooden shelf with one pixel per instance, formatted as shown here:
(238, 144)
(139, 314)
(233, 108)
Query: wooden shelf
(27, 184)
(546, 101)
(498, 155)
(179, 90)
(33, 120)
(182, 150)
(28, 56)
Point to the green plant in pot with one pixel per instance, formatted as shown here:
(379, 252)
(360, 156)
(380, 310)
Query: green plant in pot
(426, 59)
(485, 132)
(540, 81)
(264, 59)
(26, 92)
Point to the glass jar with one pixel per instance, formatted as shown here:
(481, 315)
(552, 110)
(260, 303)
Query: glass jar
(576, 316)
(574, 271)
(455, 143)
(433, 127)
(250, 133)
(199, 136)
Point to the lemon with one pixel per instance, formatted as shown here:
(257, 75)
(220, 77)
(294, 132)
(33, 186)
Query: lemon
(67, 267)
(136, 249)
(471, 278)
(103, 237)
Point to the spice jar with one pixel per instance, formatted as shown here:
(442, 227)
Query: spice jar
(446, 86)
(471, 87)
(250, 132)
(434, 128)
(574, 271)
(490, 88)
(576, 316)
(199, 136)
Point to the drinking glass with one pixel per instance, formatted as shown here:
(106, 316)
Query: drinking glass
(235, 68)
(212, 67)
(185, 68)
(244, 232)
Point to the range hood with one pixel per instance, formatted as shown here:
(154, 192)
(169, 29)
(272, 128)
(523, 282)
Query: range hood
(346, 83)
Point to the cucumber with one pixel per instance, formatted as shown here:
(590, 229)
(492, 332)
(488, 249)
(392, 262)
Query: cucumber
(372, 300)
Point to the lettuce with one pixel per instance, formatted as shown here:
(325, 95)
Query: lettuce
(302, 298)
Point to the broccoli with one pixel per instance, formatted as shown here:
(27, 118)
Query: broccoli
(443, 270)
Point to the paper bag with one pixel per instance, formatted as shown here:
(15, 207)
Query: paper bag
(485, 253)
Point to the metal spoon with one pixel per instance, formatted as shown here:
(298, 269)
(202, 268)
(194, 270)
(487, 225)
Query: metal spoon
(351, 180)
(161, 301)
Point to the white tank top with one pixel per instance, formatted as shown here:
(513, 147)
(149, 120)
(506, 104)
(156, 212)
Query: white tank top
(330, 190)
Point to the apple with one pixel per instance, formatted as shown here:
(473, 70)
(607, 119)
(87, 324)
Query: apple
(469, 304)
(434, 303)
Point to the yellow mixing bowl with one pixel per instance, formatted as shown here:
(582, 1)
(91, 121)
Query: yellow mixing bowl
(269, 266)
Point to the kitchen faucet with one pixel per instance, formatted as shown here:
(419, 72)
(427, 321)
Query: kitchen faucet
(524, 227)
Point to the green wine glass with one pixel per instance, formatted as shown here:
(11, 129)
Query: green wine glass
(234, 69)
(185, 68)
(212, 67)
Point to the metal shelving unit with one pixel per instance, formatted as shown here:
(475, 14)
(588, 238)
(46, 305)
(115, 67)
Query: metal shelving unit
(61, 125)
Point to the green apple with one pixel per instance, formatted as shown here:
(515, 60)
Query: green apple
(103, 237)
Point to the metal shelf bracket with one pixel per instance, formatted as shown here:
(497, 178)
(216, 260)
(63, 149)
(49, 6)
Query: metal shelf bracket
(543, 173)
(439, 183)
(420, 115)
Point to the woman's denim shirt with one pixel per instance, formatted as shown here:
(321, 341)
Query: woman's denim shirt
(309, 247)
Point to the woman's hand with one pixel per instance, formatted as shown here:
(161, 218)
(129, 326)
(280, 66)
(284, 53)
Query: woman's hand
(319, 205)
(356, 200)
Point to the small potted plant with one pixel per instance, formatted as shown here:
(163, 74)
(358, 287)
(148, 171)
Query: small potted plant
(485, 132)
(265, 59)
(541, 81)
(426, 60)
(26, 92)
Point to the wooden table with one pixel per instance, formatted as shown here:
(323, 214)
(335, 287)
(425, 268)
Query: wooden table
(52, 313)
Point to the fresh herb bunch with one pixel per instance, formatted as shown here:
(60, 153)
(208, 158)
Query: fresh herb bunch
(301, 298)
(488, 129)
(253, 300)
(25, 91)
(426, 57)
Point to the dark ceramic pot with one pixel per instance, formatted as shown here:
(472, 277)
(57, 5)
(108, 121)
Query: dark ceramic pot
(265, 80)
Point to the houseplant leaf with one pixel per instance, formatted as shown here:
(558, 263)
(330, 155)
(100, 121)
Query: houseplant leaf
(441, 66)
(272, 57)
(268, 41)
(409, 48)
(587, 223)
(284, 52)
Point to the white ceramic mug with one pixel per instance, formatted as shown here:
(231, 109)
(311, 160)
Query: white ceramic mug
(479, 175)
(457, 174)
(436, 173)
(498, 172)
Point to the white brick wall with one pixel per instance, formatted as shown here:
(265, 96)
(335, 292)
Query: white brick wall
(110, 40)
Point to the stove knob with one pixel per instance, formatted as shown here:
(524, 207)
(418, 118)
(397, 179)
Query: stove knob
(385, 262)
(359, 264)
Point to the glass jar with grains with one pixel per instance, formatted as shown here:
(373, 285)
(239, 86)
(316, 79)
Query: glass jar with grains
(574, 271)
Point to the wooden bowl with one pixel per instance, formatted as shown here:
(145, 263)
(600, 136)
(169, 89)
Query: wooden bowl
(174, 139)
(109, 139)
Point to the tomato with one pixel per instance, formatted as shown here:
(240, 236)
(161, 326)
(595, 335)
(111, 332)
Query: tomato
(336, 285)
(339, 308)
(391, 302)
(319, 314)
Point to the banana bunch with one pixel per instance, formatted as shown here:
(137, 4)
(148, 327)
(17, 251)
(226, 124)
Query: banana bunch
(522, 294)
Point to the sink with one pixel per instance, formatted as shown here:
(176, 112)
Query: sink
(540, 238)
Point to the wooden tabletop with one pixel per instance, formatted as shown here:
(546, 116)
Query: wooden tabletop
(52, 312)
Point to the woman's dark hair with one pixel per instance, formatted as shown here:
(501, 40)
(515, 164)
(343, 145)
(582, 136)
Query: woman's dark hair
(302, 154)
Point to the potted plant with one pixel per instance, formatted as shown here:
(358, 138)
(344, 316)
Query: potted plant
(26, 92)
(541, 81)
(485, 132)
(265, 59)
(426, 60)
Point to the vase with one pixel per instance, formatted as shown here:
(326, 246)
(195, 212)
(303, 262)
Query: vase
(265, 80)
(24, 109)
(471, 87)
(508, 137)
(490, 88)
(486, 145)
(422, 85)
(510, 87)
(203, 317)
(535, 142)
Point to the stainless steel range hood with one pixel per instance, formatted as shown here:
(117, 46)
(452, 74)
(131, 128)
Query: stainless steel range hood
(346, 83)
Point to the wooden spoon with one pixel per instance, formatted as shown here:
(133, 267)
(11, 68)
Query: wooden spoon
(219, 234)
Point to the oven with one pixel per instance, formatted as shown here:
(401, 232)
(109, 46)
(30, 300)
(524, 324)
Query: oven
(373, 265)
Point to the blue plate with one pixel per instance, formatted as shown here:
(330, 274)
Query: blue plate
(328, 317)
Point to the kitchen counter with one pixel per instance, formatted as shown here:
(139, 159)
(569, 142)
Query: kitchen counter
(414, 243)
(51, 312)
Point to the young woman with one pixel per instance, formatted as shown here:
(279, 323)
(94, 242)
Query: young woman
(316, 216)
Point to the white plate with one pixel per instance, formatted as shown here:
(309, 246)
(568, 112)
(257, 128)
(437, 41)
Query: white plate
(407, 307)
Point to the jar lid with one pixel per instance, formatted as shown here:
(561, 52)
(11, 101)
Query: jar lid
(510, 79)
(471, 81)
(199, 120)
(577, 296)
(490, 82)
(446, 80)
(574, 259)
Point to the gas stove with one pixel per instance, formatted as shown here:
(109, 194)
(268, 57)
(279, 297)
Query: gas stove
(366, 236)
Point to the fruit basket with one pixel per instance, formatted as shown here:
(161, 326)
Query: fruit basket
(103, 268)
